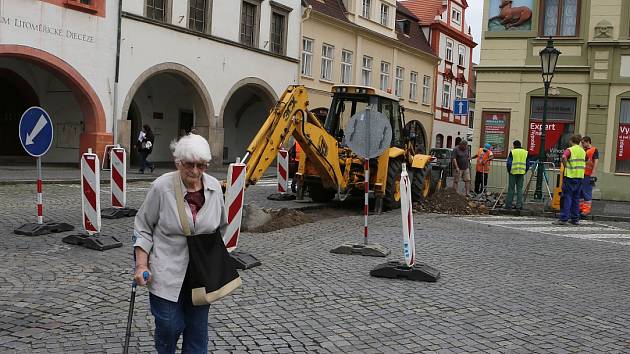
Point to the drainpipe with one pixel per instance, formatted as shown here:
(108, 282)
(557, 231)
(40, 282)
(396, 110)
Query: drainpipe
(116, 74)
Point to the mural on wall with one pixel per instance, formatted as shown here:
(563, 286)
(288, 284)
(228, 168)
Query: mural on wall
(510, 15)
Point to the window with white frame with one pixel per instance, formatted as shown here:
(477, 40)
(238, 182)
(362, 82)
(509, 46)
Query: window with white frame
(446, 95)
(327, 61)
(384, 15)
(456, 16)
(461, 57)
(413, 86)
(278, 31)
(426, 89)
(449, 50)
(366, 71)
(250, 21)
(367, 6)
(384, 76)
(346, 67)
(459, 92)
(398, 88)
(307, 56)
(156, 10)
(198, 15)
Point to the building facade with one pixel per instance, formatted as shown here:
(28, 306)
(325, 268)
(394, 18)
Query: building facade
(590, 92)
(59, 55)
(370, 43)
(215, 66)
(444, 24)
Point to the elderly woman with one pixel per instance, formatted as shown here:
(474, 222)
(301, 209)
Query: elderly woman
(161, 248)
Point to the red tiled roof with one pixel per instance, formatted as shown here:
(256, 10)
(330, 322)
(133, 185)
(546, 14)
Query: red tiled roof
(332, 8)
(425, 10)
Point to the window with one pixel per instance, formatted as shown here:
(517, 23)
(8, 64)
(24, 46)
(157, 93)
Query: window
(446, 95)
(278, 30)
(461, 58)
(439, 141)
(156, 9)
(307, 56)
(623, 138)
(413, 86)
(560, 17)
(346, 67)
(459, 92)
(560, 126)
(366, 71)
(327, 62)
(426, 89)
(384, 76)
(449, 141)
(249, 24)
(449, 51)
(398, 88)
(456, 17)
(384, 15)
(367, 5)
(198, 15)
(471, 119)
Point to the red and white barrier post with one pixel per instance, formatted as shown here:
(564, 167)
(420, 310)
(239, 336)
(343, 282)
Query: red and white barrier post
(118, 160)
(40, 199)
(409, 244)
(234, 196)
(91, 208)
(283, 170)
(91, 192)
(366, 204)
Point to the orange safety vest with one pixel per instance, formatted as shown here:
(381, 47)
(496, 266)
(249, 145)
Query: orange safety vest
(297, 151)
(590, 162)
(482, 161)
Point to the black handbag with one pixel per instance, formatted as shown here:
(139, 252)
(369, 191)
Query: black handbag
(211, 272)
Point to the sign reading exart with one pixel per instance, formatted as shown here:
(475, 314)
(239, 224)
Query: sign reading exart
(26, 25)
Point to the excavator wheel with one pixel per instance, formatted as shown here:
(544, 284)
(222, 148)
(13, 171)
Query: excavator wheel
(420, 187)
(319, 194)
(392, 189)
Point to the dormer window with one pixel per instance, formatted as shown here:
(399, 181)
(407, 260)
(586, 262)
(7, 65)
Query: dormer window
(456, 17)
(404, 26)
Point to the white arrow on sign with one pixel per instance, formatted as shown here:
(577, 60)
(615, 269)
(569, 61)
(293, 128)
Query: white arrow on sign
(41, 123)
(461, 106)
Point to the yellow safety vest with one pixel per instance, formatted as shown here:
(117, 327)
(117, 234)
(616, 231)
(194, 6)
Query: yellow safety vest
(519, 161)
(576, 164)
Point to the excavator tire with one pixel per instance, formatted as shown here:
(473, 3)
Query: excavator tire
(319, 194)
(392, 189)
(417, 184)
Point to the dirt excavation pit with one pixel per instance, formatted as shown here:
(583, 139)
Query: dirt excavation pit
(261, 220)
(448, 201)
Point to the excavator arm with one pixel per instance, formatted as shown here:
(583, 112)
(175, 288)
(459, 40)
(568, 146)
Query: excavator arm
(290, 117)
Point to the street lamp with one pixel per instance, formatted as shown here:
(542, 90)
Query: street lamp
(548, 60)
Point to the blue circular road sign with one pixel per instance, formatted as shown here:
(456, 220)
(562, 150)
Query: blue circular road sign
(36, 131)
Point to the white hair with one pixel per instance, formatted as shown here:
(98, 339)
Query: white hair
(191, 147)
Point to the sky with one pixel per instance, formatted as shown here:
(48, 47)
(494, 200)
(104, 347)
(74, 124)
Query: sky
(474, 16)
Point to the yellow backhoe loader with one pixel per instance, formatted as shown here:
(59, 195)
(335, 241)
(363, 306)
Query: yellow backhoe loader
(327, 167)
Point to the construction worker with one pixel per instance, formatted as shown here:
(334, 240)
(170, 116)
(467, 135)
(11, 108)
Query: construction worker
(484, 156)
(517, 167)
(592, 159)
(294, 155)
(574, 162)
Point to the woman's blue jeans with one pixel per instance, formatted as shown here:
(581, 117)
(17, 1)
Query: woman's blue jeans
(174, 318)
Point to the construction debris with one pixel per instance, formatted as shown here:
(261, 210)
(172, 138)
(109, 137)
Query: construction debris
(281, 219)
(448, 201)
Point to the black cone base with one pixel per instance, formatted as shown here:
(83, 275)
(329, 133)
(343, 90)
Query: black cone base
(35, 229)
(117, 213)
(371, 249)
(243, 260)
(398, 270)
(95, 242)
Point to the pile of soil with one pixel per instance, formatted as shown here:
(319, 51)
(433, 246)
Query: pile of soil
(283, 218)
(448, 201)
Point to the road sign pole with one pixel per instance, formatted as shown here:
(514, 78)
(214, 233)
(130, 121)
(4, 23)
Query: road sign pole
(366, 206)
(40, 203)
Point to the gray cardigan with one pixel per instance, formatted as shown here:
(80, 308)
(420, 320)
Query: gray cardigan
(158, 231)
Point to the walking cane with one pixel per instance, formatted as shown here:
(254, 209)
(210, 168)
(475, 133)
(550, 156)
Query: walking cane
(132, 301)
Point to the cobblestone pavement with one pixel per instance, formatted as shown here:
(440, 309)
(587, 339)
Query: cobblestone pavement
(502, 289)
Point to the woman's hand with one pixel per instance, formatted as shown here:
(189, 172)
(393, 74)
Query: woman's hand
(140, 277)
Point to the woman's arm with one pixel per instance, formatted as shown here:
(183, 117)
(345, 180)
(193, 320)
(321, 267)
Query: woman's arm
(144, 223)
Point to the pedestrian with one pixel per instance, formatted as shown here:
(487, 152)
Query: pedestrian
(146, 139)
(517, 167)
(294, 155)
(574, 162)
(484, 156)
(592, 160)
(161, 245)
(461, 162)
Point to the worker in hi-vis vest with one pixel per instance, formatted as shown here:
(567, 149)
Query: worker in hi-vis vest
(574, 161)
(517, 167)
(592, 159)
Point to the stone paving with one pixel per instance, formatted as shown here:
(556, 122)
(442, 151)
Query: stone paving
(502, 289)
